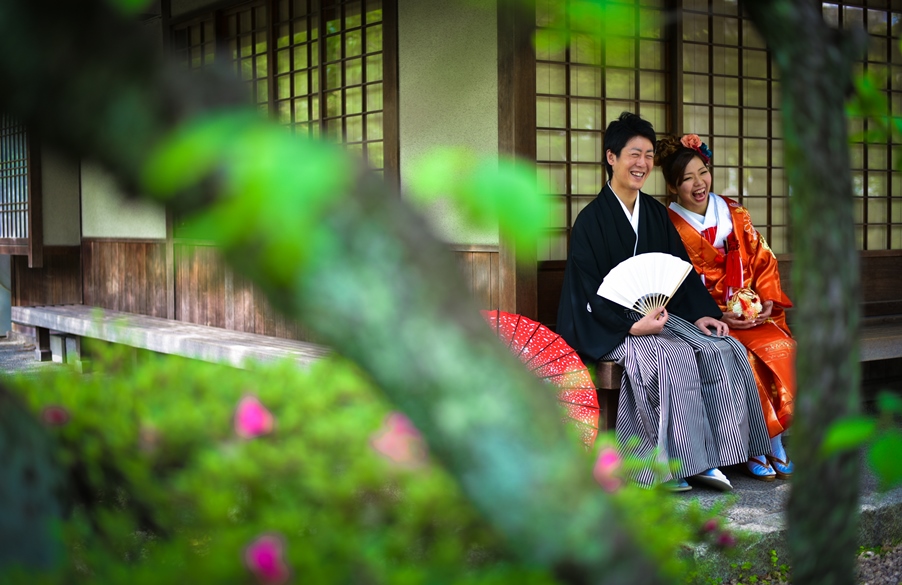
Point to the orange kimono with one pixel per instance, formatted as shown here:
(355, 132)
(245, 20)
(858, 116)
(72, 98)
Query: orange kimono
(771, 348)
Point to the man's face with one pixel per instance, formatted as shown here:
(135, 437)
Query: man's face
(633, 166)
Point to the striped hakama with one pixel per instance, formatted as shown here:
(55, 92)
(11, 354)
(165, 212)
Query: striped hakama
(690, 396)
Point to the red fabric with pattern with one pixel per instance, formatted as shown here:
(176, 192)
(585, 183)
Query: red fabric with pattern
(552, 359)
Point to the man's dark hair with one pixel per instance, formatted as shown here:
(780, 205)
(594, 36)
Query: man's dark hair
(621, 131)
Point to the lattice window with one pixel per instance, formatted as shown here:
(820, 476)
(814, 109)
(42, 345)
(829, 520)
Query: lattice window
(877, 186)
(330, 70)
(324, 75)
(20, 200)
(247, 39)
(194, 43)
(731, 99)
(582, 88)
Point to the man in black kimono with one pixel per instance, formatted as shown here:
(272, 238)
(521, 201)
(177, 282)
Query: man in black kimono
(687, 392)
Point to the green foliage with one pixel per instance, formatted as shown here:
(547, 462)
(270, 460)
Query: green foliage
(880, 437)
(275, 188)
(564, 24)
(883, 457)
(848, 433)
(505, 193)
(668, 527)
(165, 491)
(870, 102)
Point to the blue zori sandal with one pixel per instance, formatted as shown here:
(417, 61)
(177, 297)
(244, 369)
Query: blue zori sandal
(783, 467)
(714, 478)
(759, 468)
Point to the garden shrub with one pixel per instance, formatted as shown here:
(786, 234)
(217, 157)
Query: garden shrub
(166, 485)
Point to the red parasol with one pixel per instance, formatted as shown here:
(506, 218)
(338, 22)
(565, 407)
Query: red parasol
(552, 359)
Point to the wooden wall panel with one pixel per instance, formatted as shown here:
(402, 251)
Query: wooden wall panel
(58, 282)
(130, 275)
(200, 285)
(481, 271)
(209, 293)
(125, 275)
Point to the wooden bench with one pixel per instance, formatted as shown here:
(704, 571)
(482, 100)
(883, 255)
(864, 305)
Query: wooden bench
(880, 336)
(59, 330)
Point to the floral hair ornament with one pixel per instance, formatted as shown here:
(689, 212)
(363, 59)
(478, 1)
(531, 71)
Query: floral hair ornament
(693, 142)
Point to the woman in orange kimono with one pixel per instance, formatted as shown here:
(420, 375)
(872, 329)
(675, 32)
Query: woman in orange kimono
(732, 257)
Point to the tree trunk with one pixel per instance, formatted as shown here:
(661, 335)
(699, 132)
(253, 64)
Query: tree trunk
(385, 295)
(815, 64)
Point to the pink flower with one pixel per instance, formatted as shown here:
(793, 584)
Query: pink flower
(606, 467)
(726, 539)
(264, 558)
(399, 441)
(252, 419)
(691, 141)
(55, 416)
(710, 525)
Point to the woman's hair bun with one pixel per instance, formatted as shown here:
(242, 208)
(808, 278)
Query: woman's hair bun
(665, 147)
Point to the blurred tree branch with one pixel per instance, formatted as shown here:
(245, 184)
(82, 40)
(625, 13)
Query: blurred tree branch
(383, 294)
(815, 63)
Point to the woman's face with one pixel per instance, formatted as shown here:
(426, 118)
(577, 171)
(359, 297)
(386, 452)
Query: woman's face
(694, 187)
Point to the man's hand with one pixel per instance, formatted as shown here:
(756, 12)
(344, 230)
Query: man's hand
(651, 324)
(706, 324)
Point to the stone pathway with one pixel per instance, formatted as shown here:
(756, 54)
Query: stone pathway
(18, 356)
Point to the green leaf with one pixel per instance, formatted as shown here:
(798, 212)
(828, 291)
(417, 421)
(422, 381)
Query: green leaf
(519, 200)
(440, 173)
(883, 457)
(192, 152)
(505, 193)
(550, 41)
(889, 402)
(847, 434)
(870, 101)
(273, 187)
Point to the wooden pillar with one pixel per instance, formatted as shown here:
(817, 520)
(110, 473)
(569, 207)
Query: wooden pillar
(517, 135)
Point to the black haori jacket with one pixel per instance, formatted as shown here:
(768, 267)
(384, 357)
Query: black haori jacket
(601, 238)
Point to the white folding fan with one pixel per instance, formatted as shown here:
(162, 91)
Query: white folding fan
(645, 282)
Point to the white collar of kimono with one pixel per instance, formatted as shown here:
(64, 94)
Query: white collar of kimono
(633, 217)
(712, 218)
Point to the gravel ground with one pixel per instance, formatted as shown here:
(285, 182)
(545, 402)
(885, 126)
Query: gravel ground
(16, 356)
(880, 567)
(883, 566)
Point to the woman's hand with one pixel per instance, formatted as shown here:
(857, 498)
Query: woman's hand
(740, 322)
(767, 307)
(737, 321)
(706, 324)
(651, 324)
